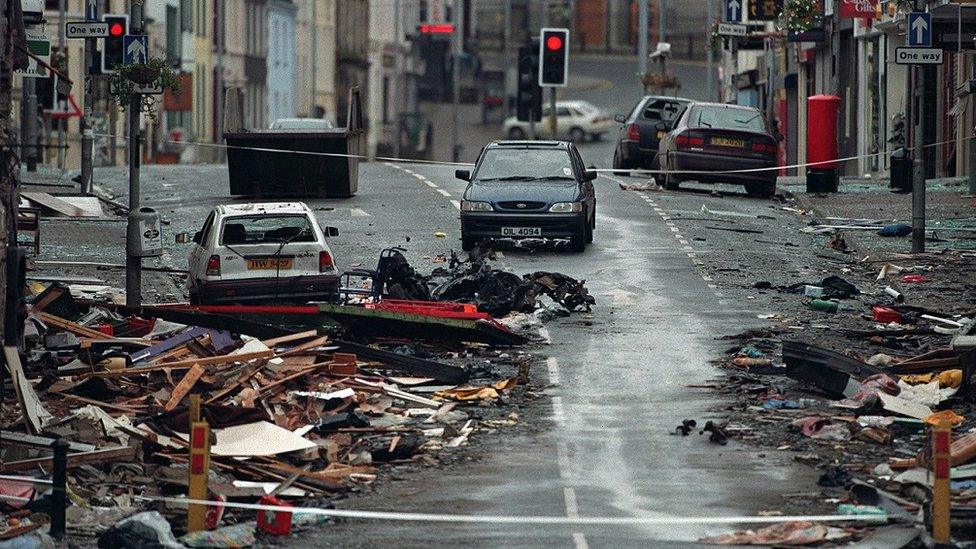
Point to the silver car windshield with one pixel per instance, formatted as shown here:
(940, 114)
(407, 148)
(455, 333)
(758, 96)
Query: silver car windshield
(728, 119)
(266, 229)
(525, 164)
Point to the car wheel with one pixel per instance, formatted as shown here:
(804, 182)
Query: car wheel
(619, 165)
(577, 242)
(468, 243)
(577, 135)
(589, 229)
(596, 137)
(761, 190)
(516, 134)
(671, 182)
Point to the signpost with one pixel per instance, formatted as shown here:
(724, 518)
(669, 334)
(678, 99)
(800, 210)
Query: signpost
(85, 29)
(135, 49)
(91, 10)
(730, 29)
(40, 46)
(919, 30)
(918, 56)
(733, 11)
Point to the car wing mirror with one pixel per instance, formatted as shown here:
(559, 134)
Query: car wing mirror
(661, 126)
(331, 232)
(463, 175)
(620, 118)
(590, 175)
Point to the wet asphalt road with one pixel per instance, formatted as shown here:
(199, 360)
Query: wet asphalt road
(666, 286)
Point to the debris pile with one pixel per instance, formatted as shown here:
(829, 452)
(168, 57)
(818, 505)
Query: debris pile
(303, 403)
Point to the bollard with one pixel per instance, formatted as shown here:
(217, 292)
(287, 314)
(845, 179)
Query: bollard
(59, 488)
(941, 467)
(196, 514)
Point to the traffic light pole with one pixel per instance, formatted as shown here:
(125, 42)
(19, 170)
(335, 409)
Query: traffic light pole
(918, 183)
(133, 262)
(552, 112)
(87, 137)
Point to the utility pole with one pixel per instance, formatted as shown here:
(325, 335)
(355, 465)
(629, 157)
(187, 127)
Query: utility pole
(642, 24)
(219, 29)
(87, 135)
(918, 183)
(458, 31)
(29, 112)
(709, 55)
(506, 52)
(662, 8)
(133, 262)
(62, 7)
(315, 63)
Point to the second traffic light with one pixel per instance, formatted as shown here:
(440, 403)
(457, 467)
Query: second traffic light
(553, 57)
(528, 103)
(113, 53)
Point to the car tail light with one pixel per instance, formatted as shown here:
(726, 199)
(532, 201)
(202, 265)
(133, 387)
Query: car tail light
(633, 132)
(325, 261)
(213, 265)
(764, 148)
(685, 141)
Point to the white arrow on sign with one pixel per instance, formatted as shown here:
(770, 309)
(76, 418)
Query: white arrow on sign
(736, 7)
(920, 27)
(137, 52)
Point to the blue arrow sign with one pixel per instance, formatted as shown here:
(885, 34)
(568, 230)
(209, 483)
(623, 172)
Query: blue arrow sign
(91, 10)
(919, 30)
(135, 49)
(733, 11)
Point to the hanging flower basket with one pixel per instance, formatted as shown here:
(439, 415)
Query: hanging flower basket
(800, 16)
(660, 81)
(143, 74)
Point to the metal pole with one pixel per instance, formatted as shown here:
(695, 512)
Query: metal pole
(507, 53)
(219, 31)
(552, 112)
(662, 7)
(642, 23)
(456, 68)
(62, 7)
(30, 111)
(398, 71)
(133, 263)
(709, 55)
(59, 488)
(315, 63)
(87, 136)
(918, 183)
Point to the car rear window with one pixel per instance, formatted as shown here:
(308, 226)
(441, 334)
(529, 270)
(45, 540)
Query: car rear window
(661, 109)
(266, 229)
(501, 163)
(728, 119)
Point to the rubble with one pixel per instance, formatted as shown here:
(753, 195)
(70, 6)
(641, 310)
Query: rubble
(302, 403)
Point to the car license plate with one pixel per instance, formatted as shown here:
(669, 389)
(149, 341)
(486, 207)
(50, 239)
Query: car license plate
(269, 264)
(725, 142)
(521, 231)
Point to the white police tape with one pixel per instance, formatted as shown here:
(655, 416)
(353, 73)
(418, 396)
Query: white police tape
(528, 520)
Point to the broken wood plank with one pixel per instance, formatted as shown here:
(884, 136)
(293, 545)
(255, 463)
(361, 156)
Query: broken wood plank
(34, 413)
(407, 364)
(185, 364)
(33, 441)
(121, 408)
(55, 204)
(229, 388)
(317, 342)
(184, 386)
(72, 327)
(76, 459)
(289, 338)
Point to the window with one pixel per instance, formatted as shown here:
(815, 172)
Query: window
(502, 163)
(662, 110)
(207, 227)
(386, 100)
(186, 15)
(728, 118)
(174, 45)
(562, 111)
(267, 229)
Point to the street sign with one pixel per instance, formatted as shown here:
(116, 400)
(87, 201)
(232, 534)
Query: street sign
(152, 89)
(91, 10)
(919, 30)
(765, 10)
(85, 29)
(918, 56)
(135, 49)
(731, 29)
(40, 46)
(733, 11)
(32, 11)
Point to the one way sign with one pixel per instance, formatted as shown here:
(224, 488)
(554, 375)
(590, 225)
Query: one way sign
(135, 49)
(919, 30)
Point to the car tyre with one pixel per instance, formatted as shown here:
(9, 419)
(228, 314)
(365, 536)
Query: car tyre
(577, 135)
(577, 242)
(671, 182)
(590, 225)
(468, 243)
(760, 190)
(516, 134)
(619, 165)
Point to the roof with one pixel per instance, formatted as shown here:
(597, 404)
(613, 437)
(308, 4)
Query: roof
(725, 105)
(527, 143)
(253, 208)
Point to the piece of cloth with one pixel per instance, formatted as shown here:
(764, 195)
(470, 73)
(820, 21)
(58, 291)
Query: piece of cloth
(478, 393)
(786, 533)
(948, 379)
(217, 415)
(945, 415)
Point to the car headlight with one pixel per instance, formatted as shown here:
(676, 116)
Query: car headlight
(566, 207)
(467, 206)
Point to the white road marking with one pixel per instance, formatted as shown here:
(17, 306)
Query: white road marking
(572, 506)
(557, 409)
(430, 183)
(562, 458)
(358, 212)
(553, 365)
(457, 204)
(580, 541)
(417, 175)
(443, 192)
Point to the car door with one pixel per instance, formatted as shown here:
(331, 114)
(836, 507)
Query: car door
(199, 253)
(586, 187)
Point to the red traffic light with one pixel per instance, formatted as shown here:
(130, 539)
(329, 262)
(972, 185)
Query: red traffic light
(554, 43)
(116, 29)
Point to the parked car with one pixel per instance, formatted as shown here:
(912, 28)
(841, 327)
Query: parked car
(270, 252)
(302, 124)
(638, 137)
(528, 189)
(576, 120)
(714, 137)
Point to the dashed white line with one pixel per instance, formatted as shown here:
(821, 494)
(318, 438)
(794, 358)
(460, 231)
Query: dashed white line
(457, 204)
(557, 409)
(572, 506)
(443, 192)
(553, 365)
(579, 540)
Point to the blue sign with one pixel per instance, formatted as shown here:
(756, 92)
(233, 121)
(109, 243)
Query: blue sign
(919, 30)
(135, 49)
(91, 10)
(733, 11)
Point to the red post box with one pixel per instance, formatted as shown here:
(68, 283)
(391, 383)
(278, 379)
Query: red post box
(822, 143)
